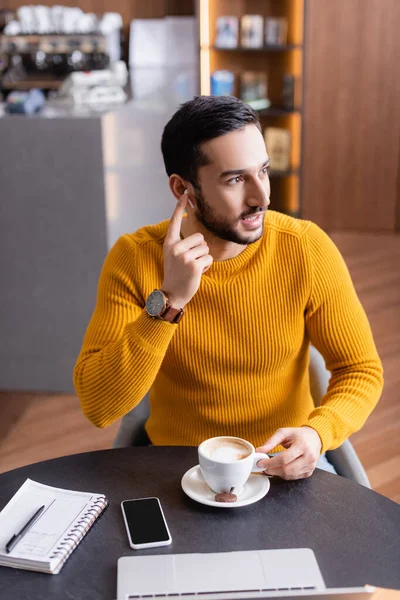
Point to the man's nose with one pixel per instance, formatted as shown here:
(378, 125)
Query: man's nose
(258, 194)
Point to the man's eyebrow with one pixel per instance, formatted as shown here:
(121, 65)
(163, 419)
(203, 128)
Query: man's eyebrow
(234, 172)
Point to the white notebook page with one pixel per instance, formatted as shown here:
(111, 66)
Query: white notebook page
(62, 509)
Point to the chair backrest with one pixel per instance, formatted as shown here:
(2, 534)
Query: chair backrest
(344, 459)
(131, 431)
(319, 376)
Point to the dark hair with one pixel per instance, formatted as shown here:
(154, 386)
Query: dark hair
(199, 120)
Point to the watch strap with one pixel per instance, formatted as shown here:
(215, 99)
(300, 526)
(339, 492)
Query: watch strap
(170, 314)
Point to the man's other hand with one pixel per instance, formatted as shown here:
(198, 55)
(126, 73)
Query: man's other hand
(298, 461)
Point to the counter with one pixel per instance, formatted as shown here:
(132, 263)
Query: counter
(73, 181)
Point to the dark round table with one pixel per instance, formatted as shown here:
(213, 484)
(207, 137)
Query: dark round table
(354, 532)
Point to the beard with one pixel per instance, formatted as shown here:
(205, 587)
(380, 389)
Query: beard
(221, 227)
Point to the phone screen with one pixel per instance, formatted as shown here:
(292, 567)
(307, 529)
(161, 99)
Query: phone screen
(145, 521)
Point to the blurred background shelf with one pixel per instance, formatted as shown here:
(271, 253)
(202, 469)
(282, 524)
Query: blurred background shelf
(45, 83)
(268, 48)
(277, 111)
(276, 174)
(272, 65)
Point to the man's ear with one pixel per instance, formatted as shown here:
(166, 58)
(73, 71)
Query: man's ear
(177, 186)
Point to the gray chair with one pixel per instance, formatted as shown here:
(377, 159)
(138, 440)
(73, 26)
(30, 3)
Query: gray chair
(344, 459)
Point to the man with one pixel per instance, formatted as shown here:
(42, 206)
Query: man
(223, 342)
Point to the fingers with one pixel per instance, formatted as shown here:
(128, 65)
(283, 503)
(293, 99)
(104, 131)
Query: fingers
(302, 475)
(205, 262)
(197, 239)
(174, 227)
(305, 475)
(282, 459)
(297, 469)
(196, 252)
(280, 437)
(299, 459)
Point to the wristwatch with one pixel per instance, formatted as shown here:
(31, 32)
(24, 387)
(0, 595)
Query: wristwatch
(158, 306)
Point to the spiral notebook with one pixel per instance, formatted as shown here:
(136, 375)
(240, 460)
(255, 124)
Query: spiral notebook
(65, 520)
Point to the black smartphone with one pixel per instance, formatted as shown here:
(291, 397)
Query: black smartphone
(145, 523)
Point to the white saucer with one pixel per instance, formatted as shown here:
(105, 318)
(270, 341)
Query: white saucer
(196, 488)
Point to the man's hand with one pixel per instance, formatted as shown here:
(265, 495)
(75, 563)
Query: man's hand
(184, 260)
(299, 460)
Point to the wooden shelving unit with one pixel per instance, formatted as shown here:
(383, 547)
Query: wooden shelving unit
(276, 61)
(32, 81)
(269, 48)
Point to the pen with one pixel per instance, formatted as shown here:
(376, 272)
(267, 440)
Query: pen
(18, 536)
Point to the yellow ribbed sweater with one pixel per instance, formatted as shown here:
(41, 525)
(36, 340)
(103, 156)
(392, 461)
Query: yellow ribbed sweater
(237, 364)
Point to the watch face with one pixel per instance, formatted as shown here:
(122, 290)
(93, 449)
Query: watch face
(155, 303)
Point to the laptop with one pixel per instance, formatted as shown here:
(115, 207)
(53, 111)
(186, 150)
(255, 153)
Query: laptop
(247, 575)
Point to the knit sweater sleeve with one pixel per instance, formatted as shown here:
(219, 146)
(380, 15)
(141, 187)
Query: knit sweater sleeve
(338, 327)
(123, 347)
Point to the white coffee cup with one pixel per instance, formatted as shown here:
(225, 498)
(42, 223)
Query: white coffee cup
(226, 462)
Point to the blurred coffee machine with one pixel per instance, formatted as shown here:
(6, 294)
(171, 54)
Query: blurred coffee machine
(95, 88)
(48, 43)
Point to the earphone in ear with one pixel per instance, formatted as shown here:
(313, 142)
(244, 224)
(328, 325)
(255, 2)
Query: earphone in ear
(189, 200)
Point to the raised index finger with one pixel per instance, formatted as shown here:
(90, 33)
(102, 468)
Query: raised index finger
(174, 227)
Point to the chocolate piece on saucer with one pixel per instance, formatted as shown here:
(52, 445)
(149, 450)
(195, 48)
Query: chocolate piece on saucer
(225, 497)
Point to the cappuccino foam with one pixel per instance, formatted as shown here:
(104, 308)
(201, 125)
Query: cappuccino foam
(226, 451)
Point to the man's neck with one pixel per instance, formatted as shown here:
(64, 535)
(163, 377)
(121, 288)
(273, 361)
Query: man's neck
(219, 249)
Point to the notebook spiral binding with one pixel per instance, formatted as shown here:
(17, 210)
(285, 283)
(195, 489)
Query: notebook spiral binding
(82, 526)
